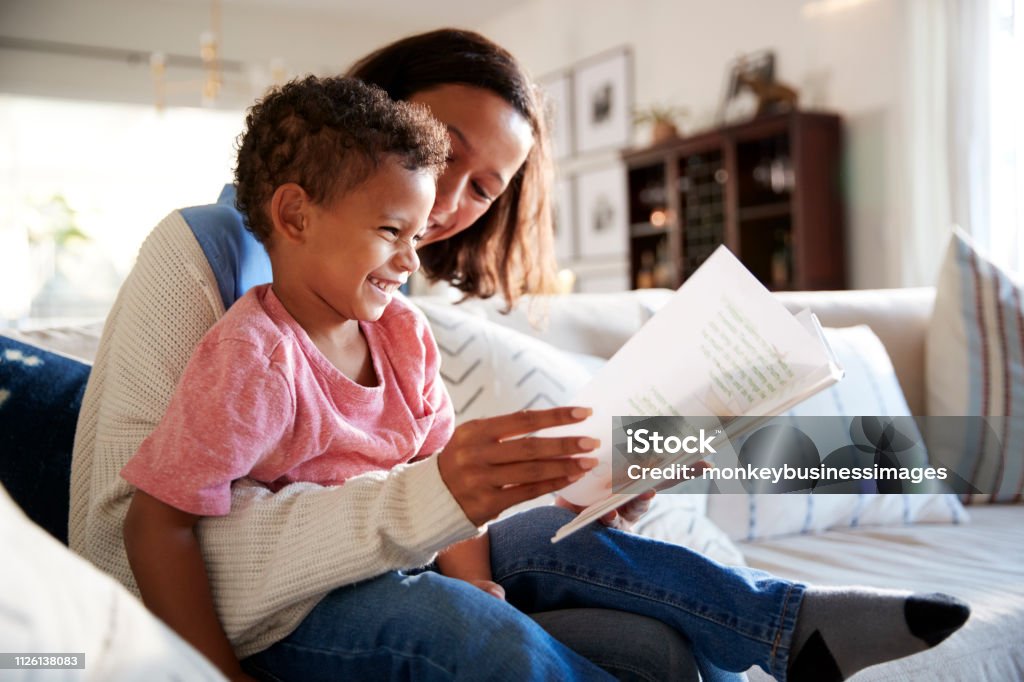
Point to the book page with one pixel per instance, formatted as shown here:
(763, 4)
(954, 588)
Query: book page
(722, 346)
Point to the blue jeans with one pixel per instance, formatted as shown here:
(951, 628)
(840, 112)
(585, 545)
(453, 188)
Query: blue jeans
(734, 617)
(427, 626)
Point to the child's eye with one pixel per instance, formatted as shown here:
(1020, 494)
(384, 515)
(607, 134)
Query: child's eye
(393, 232)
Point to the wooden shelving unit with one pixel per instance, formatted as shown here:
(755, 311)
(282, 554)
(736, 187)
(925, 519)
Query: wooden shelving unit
(767, 189)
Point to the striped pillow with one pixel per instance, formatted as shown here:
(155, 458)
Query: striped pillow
(975, 366)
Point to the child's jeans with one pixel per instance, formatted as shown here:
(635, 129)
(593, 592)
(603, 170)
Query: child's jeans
(427, 626)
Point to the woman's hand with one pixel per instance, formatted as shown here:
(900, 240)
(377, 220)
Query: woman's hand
(488, 469)
(629, 513)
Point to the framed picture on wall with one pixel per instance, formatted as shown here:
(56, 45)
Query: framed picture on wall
(602, 101)
(558, 92)
(601, 212)
(565, 223)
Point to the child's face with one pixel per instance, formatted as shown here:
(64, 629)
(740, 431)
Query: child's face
(361, 247)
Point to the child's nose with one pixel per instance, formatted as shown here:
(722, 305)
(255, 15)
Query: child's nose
(406, 257)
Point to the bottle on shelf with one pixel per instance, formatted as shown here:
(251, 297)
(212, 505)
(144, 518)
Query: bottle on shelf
(781, 260)
(645, 275)
(661, 274)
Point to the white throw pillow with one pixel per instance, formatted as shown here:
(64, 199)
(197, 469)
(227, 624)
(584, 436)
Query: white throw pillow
(54, 601)
(680, 519)
(869, 388)
(595, 324)
(975, 367)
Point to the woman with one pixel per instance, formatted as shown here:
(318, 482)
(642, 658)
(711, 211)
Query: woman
(489, 233)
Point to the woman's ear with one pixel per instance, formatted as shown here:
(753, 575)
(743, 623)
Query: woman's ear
(288, 209)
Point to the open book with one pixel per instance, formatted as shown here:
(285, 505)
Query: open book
(722, 347)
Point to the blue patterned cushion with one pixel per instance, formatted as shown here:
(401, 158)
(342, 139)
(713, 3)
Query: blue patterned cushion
(40, 396)
(870, 387)
(975, 367)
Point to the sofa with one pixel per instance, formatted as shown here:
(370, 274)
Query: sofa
(979, 557)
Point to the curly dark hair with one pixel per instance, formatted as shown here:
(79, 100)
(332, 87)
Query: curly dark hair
(328, 135)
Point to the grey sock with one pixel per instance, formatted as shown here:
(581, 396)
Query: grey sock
(840, 630)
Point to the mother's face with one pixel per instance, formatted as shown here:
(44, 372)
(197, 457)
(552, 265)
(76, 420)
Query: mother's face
(490, 141)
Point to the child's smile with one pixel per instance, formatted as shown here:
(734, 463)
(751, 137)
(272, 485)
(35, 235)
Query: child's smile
(351, 254)
(386, 286)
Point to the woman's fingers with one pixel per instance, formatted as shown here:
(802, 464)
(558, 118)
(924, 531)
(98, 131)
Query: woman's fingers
(535, 448)
(631, 512)
(515, 494)
(526, 421)
(519, 473)
(487, 468)
(482, 503)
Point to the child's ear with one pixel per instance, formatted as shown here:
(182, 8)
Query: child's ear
(288, 209)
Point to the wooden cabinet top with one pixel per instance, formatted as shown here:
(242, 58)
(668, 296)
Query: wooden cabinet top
(765, 126)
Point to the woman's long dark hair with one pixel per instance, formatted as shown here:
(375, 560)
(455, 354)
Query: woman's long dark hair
(509, 249)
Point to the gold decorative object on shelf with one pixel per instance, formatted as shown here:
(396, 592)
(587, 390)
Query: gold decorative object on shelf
(752, 89)
(772, 96)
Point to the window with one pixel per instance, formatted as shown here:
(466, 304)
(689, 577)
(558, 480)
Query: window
(1006, 199)
(84, 183)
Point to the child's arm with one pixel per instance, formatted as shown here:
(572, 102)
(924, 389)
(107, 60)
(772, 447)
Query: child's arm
(164, 555)
(470, 560)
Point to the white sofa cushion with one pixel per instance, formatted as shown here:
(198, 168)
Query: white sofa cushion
(975, 366)
(981, 563)
(870, 387)
(593, 324)
(55, 601)
(898, 316)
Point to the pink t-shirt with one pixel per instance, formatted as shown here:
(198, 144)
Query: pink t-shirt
(259, 400)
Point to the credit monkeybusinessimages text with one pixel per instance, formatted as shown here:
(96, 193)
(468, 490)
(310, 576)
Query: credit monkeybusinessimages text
(775, 474)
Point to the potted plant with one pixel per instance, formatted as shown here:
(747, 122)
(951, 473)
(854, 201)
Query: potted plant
(663, 120)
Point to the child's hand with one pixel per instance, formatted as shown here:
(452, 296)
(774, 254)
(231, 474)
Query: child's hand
(490, 587)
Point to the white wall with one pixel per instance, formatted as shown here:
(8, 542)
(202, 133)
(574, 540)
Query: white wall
(853, 61)
(307, 41)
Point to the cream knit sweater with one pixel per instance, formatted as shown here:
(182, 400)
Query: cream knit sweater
(275, 555)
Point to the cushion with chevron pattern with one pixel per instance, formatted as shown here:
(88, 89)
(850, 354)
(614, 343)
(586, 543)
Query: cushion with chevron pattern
(491, 370)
